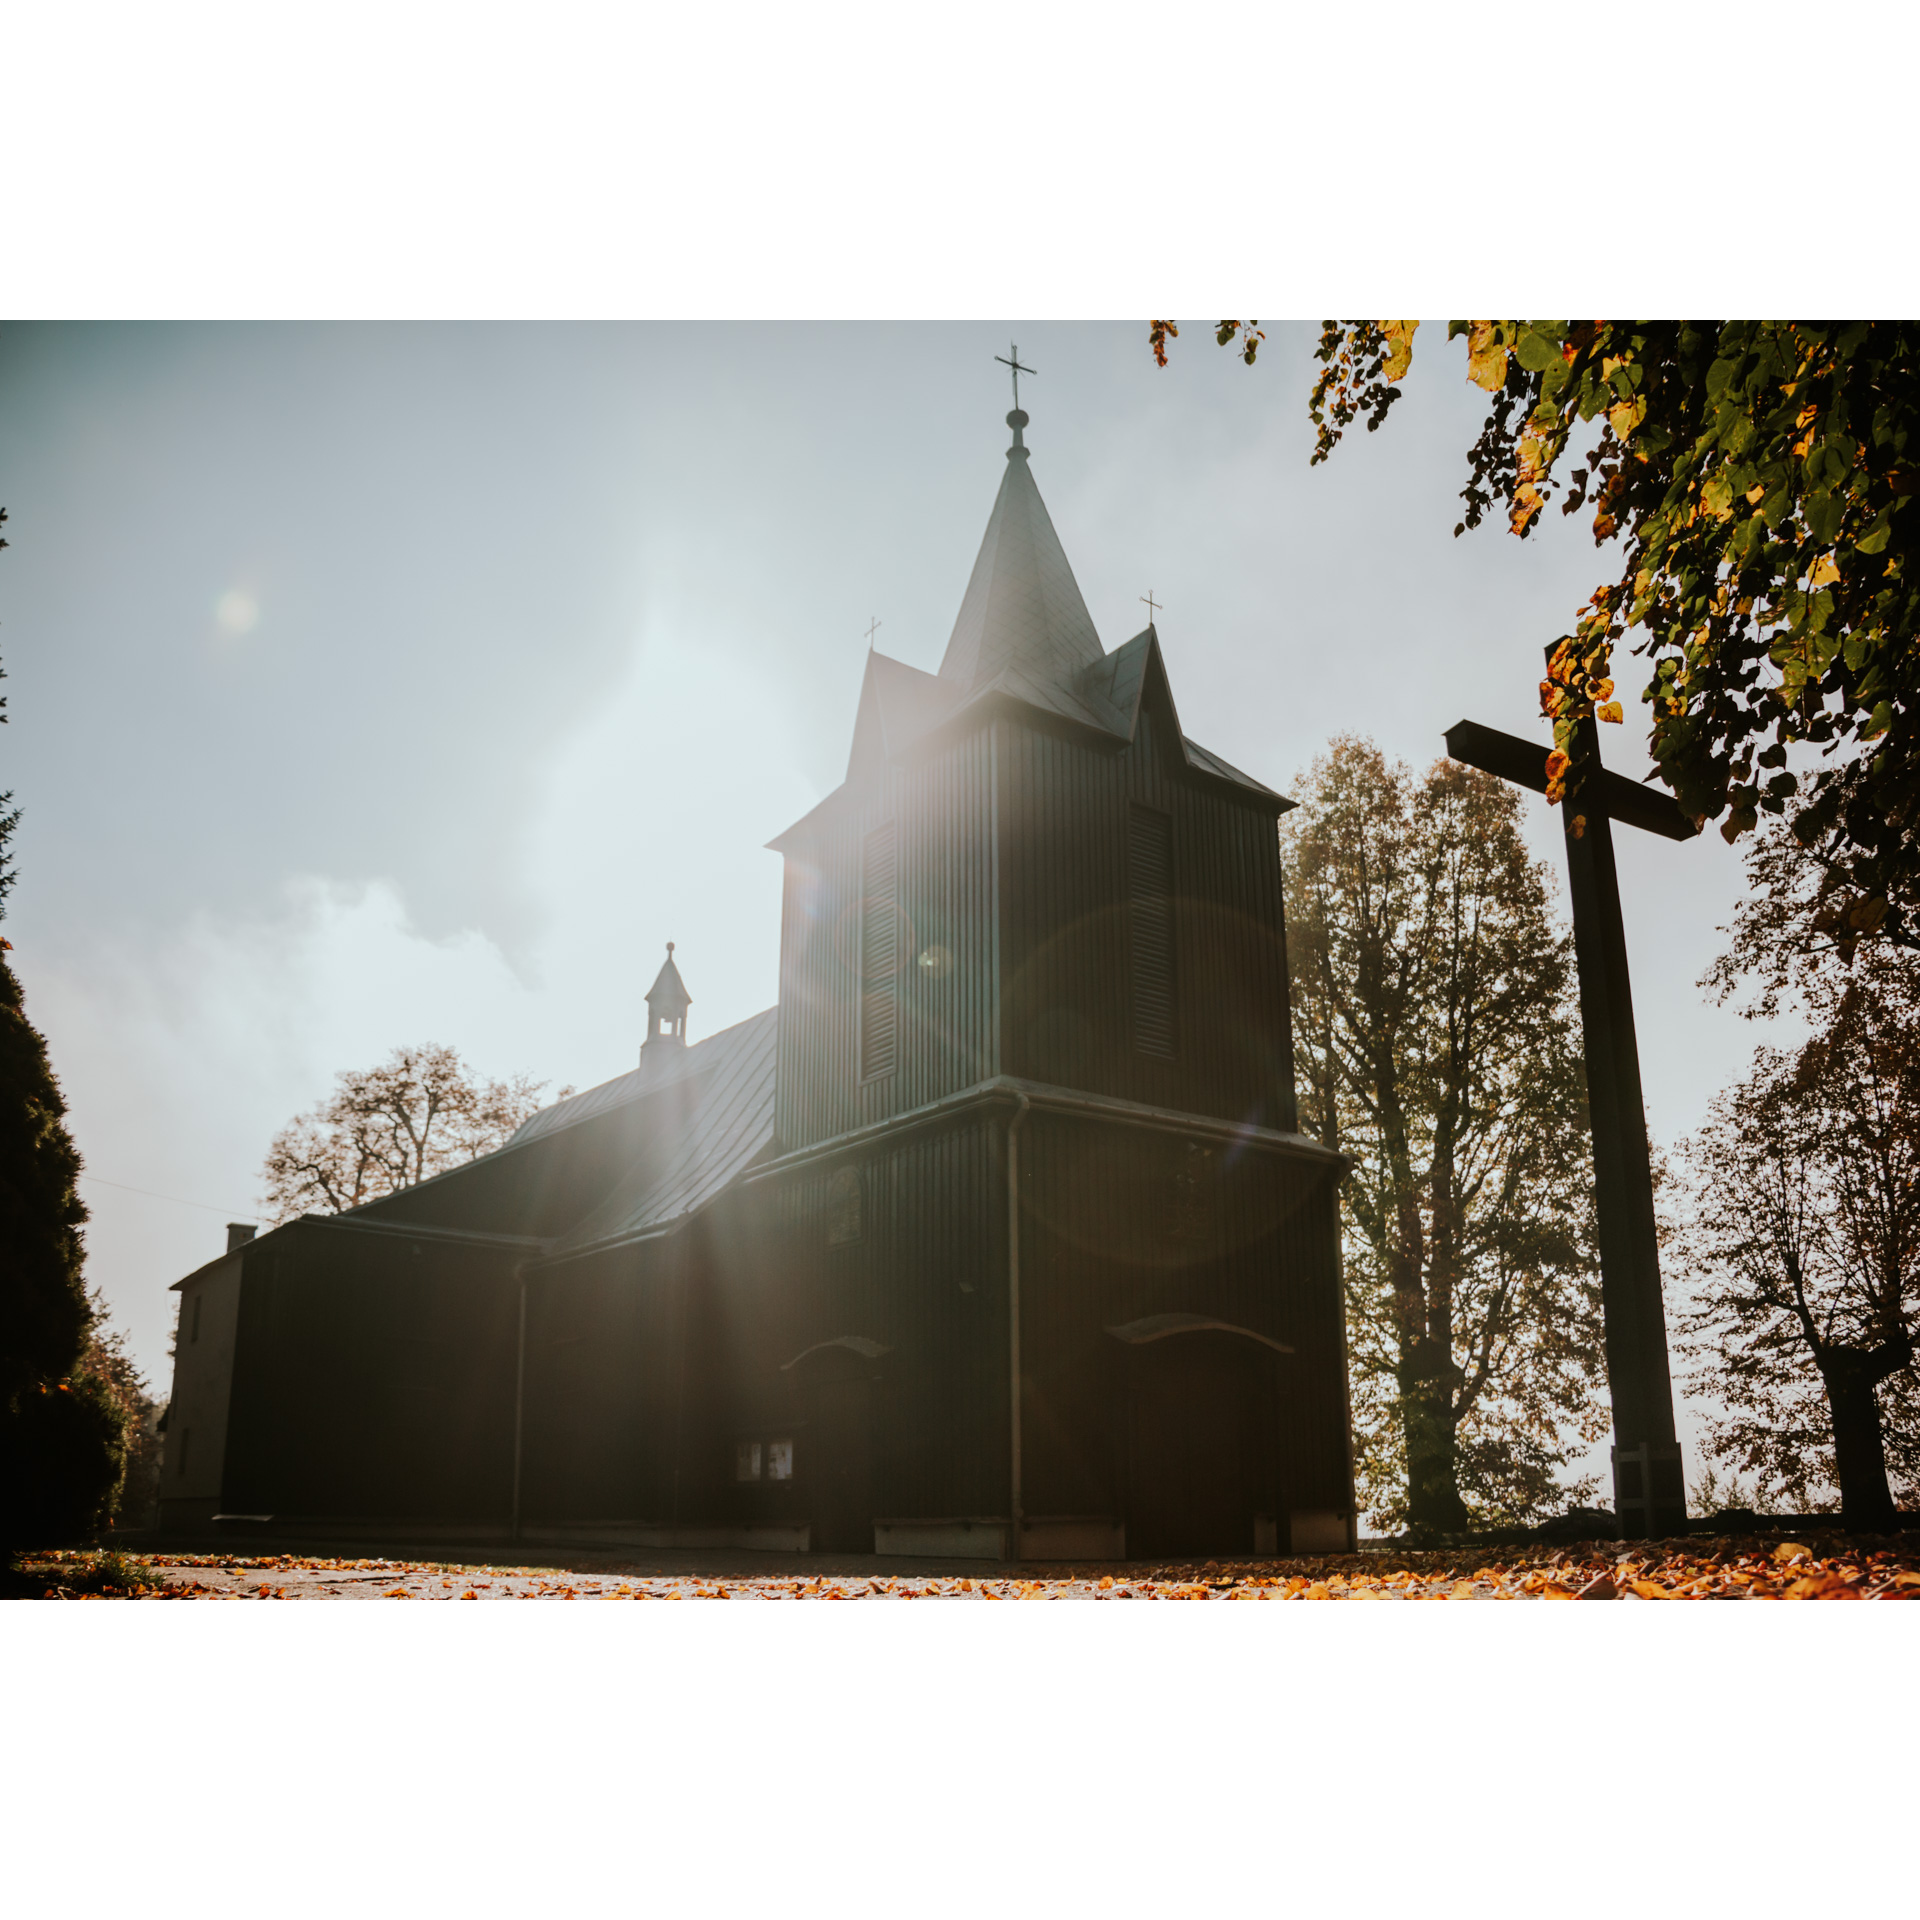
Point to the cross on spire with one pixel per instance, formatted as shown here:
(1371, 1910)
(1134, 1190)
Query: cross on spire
(871, 631)
(1152, 605)
(1000, 359)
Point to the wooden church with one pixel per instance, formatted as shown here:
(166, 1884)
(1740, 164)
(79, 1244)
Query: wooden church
(995, 1237)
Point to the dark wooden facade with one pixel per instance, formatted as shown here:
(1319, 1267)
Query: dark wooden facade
(998, 1238)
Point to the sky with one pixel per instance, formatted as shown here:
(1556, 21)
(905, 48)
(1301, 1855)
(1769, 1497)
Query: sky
(383, 683)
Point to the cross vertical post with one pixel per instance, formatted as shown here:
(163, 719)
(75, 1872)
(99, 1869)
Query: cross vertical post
(1648, 1485)
(1001, 360)
(1152, 605)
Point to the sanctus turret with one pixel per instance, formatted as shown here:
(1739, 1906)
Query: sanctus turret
(667, 1004)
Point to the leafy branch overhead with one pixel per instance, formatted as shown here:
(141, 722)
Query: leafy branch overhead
(1754, 480)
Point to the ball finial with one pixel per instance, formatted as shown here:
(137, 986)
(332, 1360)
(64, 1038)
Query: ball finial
(669, 949)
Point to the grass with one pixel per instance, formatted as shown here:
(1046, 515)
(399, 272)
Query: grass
(83, 1573)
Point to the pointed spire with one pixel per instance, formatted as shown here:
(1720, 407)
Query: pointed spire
(1022, 607)
(667, 1004)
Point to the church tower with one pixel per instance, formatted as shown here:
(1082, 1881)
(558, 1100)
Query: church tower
(1030, 870)
(1046, 1221)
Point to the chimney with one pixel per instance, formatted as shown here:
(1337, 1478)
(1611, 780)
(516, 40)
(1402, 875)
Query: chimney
(239, 1233)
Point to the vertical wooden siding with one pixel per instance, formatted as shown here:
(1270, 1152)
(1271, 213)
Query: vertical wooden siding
(1067, 935)
(373, 1377)
(1120, 1224)
(1013, 949)
(944, 959)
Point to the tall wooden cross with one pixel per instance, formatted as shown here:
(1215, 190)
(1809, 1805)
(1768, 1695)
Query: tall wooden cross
(1001, 360)
(1649, 1490)
(1152, 605)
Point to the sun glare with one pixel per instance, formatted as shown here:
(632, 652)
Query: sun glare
(237, 611)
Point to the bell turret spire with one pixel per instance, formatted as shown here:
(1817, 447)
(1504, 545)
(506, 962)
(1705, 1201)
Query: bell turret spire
(1022, 607)
(667, 1004)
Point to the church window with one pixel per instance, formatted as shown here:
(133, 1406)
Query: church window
(779, 1459)
(1150, 927)
(879, 954)
(843, 1207)
(746, 1460)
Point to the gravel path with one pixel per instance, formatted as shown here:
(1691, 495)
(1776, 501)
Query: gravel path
(1820, 1569)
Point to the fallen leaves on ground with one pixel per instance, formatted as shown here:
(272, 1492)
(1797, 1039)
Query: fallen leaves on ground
(1664, 1570)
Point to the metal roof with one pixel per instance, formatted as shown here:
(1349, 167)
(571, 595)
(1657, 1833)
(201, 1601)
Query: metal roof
(729, 1126)
(703, 1056)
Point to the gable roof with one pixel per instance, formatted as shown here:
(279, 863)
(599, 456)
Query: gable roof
(729, 1126)
(898, 704)
(703, 1056)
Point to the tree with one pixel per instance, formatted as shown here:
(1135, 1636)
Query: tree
(107, 1365)
(1755, 480)
(62, 1443)
(9, 814)
(391, 1126)
(1435, 1042)
(1802, 1235)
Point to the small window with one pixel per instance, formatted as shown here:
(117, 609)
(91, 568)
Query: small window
(746, 1460)
(779, 1459)
(195, 1334)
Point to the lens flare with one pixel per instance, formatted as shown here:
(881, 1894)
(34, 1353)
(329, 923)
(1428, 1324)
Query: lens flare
(237, 611)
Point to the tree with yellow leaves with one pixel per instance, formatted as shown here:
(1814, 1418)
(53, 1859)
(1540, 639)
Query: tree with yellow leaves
(1755, 481)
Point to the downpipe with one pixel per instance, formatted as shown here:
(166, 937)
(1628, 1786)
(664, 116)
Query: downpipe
(1016, 1505)
(519, 1403)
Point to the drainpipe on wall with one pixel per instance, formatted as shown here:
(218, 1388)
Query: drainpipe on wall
(1016, 1509)
(519, 1402)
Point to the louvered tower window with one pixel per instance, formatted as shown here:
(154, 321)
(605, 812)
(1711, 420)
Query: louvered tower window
(879, 956)
(1150, 927)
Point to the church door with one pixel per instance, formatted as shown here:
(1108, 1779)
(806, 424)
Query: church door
(840, 1466)
(1200, 1446)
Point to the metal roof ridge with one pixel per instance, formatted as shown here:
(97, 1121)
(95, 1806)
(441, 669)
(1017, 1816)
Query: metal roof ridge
(675, 1072)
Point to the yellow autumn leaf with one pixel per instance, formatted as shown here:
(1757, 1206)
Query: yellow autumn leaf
(1624, 415)
(1399, 335)
(1610, 713)
(1823, 571)
(1527, 501)
(1790, 1550)
(1486, 357)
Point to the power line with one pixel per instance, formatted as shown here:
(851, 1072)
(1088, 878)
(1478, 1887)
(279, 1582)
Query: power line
(232, 1213)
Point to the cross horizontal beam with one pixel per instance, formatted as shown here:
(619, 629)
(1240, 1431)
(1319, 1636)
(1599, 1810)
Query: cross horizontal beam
(1524, 762)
